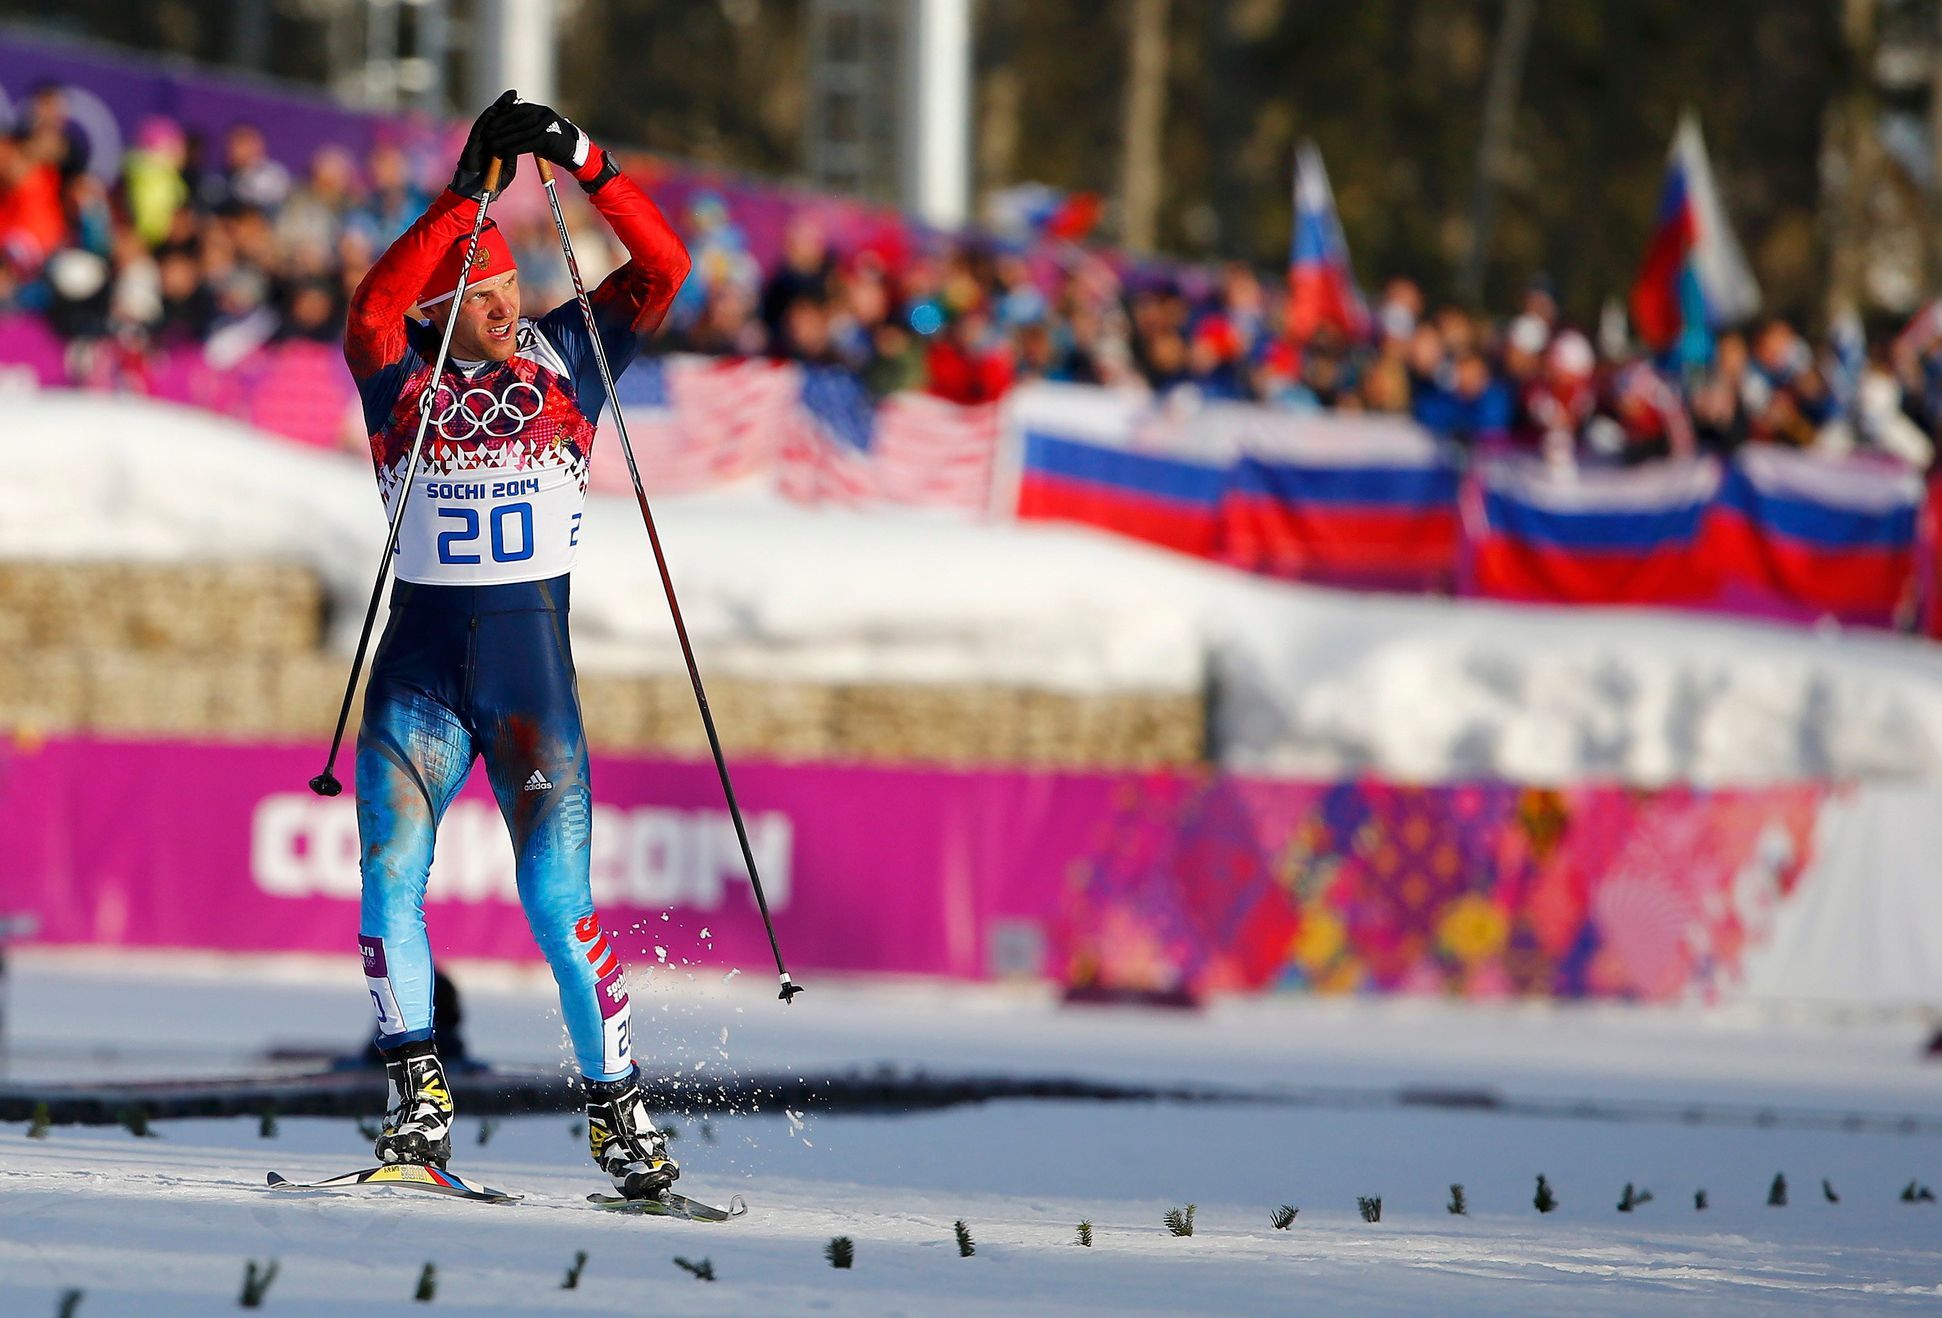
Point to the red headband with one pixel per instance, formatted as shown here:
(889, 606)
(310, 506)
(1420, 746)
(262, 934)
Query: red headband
(492, 257)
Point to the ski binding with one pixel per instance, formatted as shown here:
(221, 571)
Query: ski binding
(671, 1205)
(404, 1176)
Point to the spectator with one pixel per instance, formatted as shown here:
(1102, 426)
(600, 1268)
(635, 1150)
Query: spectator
(52, 135)
(33, 219)
(1562, 399)
(393, 201)
(804, 333)
(188, 309)
(1399, 311)
(896, 363)
(247, 179)
(1719, 403)
(965, 364)
(1474, 408)
(152, 185)
(804, 273)
(313, 218)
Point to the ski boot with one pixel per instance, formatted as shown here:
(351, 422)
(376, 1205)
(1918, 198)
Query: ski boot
(418, 1125)
(623, 1140)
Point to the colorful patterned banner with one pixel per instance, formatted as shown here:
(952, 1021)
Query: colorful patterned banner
(1486, 890)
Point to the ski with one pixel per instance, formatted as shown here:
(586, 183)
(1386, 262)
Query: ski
(671, 1205)
(403, 1176)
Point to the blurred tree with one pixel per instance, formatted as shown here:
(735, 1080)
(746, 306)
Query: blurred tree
(714, 80)
(1393, 91)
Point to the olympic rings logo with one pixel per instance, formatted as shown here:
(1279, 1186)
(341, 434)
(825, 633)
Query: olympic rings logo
(481, 412)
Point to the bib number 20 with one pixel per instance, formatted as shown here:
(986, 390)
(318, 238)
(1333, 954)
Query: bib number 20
(512, 544)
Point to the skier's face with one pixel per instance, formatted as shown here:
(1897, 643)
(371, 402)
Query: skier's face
(487, 319)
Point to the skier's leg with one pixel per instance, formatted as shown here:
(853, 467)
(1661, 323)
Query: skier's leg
(535, 751)
(412, 757)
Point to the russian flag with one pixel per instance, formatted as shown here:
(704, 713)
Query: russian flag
(1695, 279)
(1321, 282)
(1347, 501)
(1593, 537)
(1116, 463)
(1796, 535)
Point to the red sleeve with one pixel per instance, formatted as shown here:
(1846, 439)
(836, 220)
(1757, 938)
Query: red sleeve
(374, 331)
(639, 293)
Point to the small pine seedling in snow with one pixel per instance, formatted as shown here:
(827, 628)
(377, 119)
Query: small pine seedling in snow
(135, 1121)
(1699, 1201)
(578, 1130)
(1544, 1201)
(37, 1124)
(1632, 1199)
(70, 1303)
(840, 1251)
(266, 1122)
(572, 1282)
(256, 1283)
(1283, 1217)
(368, 1129)
(702, 1271)
(965, 1246)
(1085, 1234)
(707, 1132)
(1827, 1191)
(1458, 1206)
(486, 1126)
(1370, 1207)
(1917, 1194)
(427, 1284)
(1180, 1221)
(1777, 1192)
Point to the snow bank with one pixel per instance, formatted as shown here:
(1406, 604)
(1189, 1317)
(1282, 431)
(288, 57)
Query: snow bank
(1306, 681)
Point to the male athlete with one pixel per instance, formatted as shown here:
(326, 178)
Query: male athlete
(475, 660)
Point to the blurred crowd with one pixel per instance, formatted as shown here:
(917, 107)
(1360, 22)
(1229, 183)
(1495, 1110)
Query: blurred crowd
(213, 244)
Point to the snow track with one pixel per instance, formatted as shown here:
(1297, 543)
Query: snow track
(164, 1226)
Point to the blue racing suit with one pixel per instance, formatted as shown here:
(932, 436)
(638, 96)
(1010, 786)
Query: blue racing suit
(475, 659)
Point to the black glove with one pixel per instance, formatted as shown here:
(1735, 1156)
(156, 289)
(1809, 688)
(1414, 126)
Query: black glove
(542, 130)
(469, 180)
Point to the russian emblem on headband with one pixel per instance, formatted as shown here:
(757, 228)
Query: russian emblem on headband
(492, 256)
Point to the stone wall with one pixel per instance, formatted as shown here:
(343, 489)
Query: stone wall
(232, 651)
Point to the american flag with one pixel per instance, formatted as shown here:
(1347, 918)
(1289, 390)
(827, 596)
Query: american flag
(813, 432)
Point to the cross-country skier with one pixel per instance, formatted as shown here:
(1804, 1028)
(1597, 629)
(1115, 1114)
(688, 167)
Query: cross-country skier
(475, 660)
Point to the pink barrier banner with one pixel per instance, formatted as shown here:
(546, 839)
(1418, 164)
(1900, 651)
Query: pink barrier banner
(1168, 883)
(223, 847)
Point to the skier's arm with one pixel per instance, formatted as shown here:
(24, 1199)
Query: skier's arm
(374, 331)
(636, 296)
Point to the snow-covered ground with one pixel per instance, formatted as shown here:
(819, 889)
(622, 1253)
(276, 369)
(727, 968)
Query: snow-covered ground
(164, 1226)
(1306, 681)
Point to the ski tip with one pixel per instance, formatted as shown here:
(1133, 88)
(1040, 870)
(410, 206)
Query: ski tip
(737, 1205)
(276, 1180)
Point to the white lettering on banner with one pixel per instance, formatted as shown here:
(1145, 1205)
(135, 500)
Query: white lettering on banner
(648, 856)
(300, 846)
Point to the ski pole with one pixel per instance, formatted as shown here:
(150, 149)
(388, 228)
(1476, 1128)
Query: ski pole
(325, 783)
(789, 987)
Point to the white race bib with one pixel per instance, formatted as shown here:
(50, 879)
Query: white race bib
(484, 528)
